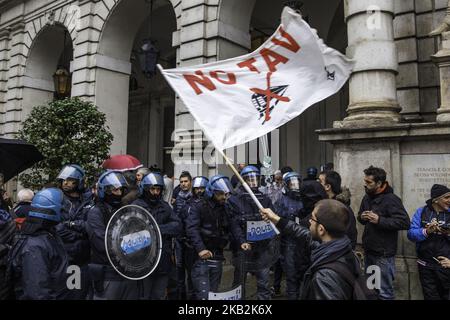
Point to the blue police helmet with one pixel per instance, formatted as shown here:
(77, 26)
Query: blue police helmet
(47, 204)
(200, 182)
(250, 169)
(293, 177)
(218, 183)
(110, 179)
(151, 179)
(311, 172)
(73, 171)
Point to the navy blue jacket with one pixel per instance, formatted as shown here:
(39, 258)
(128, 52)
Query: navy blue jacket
(170, 227)
(241, 208)
(288, 208)
(97, 220)
(207, 226)
(75, 239)
(180, 207)
(39, 264)
(429, 246)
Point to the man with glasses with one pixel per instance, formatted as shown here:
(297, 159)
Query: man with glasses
(207, 229)
(331, 250)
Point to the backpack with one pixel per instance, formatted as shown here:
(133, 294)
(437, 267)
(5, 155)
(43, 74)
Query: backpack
(357, 282)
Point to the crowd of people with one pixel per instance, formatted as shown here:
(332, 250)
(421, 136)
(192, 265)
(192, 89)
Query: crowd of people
(202, 219)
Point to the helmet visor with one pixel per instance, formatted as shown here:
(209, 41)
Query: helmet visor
(69, 172)
(199, 182)
(153, 180)
(294, 184)
(252, 180)
(115, 180)
(223, 185)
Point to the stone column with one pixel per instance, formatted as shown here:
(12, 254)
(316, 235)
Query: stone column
(4, 59)
(373, 95)
(442, 59)
(16, 71)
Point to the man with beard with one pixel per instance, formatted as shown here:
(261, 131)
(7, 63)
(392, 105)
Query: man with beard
(289, 206)
(150, 190)
(331, 182)
(71, 229)
(107, 283)
(430, 230)
(38, 260)
(383, 215)
(329, 246)
(182, 199)
(207, 228)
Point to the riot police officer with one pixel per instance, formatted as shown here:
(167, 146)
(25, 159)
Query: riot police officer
(199, 185)
(38, 259)
(243, 213)
(150, 190)
(71, 229)
(290, 206)
(207, 229)
(107, 283)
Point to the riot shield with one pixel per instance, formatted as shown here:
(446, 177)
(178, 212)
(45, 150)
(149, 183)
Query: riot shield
(133, 242)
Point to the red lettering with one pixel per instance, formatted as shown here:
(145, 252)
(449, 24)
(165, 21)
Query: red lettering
(249, 64)
(231, 77)
(200, 79)
(291, 45)
(273, 59)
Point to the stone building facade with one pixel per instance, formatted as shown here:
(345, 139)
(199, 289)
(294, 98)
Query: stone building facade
(393, 113)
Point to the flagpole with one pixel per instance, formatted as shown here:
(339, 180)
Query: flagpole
(246, 187)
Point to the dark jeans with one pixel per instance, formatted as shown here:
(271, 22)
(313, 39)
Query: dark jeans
(181, 268)
(206, 275)
(277, 275)
(387, 268)
(435, 283)
(289, 268)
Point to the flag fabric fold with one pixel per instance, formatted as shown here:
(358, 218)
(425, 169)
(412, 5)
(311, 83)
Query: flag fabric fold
(240, 99)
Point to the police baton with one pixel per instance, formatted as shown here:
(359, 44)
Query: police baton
(246, 187)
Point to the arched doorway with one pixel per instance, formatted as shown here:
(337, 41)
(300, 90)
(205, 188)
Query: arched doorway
(140, 110)
(52, 48)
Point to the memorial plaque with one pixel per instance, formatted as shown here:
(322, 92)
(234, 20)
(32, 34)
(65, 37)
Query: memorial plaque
(419, 173)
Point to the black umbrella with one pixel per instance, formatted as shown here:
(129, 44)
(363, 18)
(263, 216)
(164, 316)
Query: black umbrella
(17, 156)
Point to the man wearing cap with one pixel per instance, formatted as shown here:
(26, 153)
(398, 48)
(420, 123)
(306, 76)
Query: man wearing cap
(430, 230)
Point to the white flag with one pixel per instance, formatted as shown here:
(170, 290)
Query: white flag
(240, 99)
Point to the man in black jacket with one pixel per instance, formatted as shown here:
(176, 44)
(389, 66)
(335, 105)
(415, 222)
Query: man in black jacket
(329, 245)
(383, 215)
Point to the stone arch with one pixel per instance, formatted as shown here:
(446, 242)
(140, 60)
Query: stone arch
(43, 57)
(113, 66)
